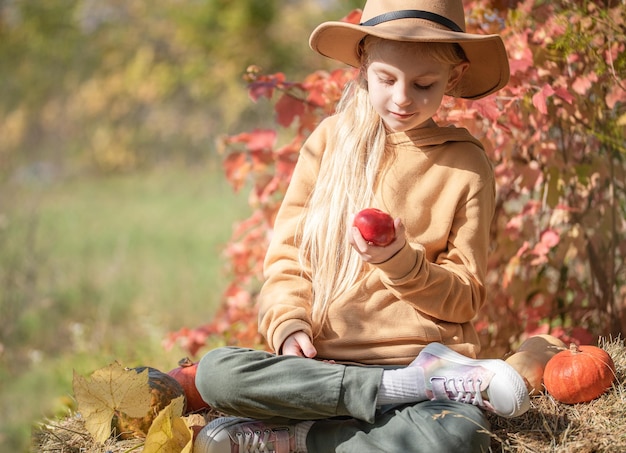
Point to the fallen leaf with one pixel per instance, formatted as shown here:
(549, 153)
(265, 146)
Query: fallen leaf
(169, 433)
(107, 391)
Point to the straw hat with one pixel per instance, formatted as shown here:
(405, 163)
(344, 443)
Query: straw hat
(419, 21)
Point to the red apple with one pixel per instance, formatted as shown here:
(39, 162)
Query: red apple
(375, 226)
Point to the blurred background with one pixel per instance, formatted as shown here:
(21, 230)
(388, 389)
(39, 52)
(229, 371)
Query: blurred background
(114, 209)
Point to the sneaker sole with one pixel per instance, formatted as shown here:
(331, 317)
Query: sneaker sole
(498, 367)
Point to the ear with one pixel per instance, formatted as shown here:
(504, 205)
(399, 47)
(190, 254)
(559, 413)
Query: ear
(456, 73)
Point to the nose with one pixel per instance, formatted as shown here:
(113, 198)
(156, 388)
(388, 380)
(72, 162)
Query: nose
(401, 94)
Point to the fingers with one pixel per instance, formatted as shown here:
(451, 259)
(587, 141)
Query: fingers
(373, 254)
(299, 344)
(399, 227)
(356, 239)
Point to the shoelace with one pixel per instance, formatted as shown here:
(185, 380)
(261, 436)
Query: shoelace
(257, 441)
(461, 390)
(253, 441)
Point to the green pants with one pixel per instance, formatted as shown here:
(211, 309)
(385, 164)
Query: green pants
(342, 400)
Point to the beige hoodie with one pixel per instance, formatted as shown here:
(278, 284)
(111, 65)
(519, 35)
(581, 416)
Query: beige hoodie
(441, 185)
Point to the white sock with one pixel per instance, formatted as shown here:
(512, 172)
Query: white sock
(404, 385)
(301, 431)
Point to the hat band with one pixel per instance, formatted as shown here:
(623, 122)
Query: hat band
(412, 14)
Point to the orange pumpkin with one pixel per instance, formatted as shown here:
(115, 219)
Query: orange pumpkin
(579, 374)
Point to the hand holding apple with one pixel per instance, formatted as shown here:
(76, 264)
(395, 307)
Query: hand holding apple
(375, 226)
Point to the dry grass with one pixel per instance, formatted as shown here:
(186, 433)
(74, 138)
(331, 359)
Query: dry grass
(548, 427)
(70, 436)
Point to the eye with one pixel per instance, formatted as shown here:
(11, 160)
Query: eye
(423, 87)
(385, 81)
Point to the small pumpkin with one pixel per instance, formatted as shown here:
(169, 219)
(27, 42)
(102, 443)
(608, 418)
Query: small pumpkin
(530, 367)
(579, 374)
(544, 346)
(163, 389)
(185, 374)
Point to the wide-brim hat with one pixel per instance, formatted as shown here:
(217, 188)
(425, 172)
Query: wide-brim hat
(419, 21)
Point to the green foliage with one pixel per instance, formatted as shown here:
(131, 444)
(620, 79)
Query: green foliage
(130, 83)
(36, 31)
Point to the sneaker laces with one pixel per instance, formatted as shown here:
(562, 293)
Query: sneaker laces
(256, 441)
(462, 390)
(253, 441)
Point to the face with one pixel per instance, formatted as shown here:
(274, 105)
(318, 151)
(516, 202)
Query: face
(406, 90)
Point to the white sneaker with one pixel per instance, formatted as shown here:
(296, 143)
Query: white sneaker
(244, 435)
(491, 384)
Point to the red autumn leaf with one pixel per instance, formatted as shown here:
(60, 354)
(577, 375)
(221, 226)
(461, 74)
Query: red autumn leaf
(264, 86)
(285, 165)
(353, 17)
(521, 56)
(583, 83)
(550, 238)
(287, 109)
(614, 95)
(564, 94)
(582, 335)
(269, 189)
(308, 121)
(261, 89)
(523, 249)
(540, 252)
(244, 137)
(487, 109)
(531, 175)
(237, 168)
(191, 340)
(261, 159)
(237, 297)
(317, 95)
(539, 99)
(261, 139)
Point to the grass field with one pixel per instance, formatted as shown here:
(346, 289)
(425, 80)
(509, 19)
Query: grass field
(97, 269)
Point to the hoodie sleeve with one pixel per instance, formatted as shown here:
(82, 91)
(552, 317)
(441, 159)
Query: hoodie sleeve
(286, 296)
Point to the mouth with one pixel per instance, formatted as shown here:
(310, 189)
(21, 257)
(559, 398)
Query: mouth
(402, 116)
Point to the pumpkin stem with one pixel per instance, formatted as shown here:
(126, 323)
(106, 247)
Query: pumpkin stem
(185, 362)
(573, 347)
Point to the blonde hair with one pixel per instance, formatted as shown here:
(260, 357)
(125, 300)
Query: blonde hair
(351, 168)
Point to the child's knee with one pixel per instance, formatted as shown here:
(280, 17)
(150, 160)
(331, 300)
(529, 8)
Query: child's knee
(215, 374)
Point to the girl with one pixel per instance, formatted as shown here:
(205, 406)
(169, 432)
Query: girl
(374, 350)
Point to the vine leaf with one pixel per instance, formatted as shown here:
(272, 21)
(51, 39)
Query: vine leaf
(109, 390)
(169, 433)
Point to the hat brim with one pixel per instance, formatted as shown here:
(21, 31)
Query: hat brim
(489, 65)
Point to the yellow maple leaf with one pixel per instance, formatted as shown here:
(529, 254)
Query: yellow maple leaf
(109, 390)
(169, 433)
